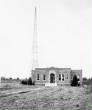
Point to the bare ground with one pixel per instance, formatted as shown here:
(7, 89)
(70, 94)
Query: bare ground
(45, 98)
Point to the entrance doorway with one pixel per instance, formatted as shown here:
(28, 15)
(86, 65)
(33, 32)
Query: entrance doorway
(52, 78)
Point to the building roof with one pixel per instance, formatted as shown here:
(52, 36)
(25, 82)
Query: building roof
(52, 68)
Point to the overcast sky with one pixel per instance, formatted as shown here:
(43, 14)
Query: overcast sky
(64, 35)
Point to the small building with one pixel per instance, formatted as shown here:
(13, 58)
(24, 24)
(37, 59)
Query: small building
(55, 76)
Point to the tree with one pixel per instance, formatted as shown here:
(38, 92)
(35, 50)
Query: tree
(3, 78)
(28, 82)
(74, 81)
(18, 78)
(10, 78)
(84, 79)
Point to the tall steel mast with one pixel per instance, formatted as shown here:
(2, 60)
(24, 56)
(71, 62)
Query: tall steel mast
(35, 43)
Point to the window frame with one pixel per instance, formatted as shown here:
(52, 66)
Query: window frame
(62, 77)
(44, 77)
(67, 76)
(59, 77)
(38, 77)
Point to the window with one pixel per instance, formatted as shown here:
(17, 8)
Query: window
(44, 77)
(67, 76)
(62, 77)
(59, 76)
(37, 76)
(71, 76)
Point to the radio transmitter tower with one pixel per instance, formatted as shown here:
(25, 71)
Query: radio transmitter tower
(35, 43)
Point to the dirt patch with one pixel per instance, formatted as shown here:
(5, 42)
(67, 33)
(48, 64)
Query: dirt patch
(44, 98)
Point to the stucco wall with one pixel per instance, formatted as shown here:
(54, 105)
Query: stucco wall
(46, 72)
(41, 73)
(67, 72)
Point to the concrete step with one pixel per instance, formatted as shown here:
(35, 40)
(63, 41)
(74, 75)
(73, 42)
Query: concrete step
(50, 84)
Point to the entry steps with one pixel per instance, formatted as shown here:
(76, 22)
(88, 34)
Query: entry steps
(50, 84)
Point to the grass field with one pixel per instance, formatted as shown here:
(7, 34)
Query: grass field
(14, 96)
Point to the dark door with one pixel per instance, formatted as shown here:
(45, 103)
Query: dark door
(52, 78)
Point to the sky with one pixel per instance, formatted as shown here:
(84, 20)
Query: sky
(63, 31)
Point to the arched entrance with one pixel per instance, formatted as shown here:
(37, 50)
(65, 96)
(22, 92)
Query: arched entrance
(52, 78)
